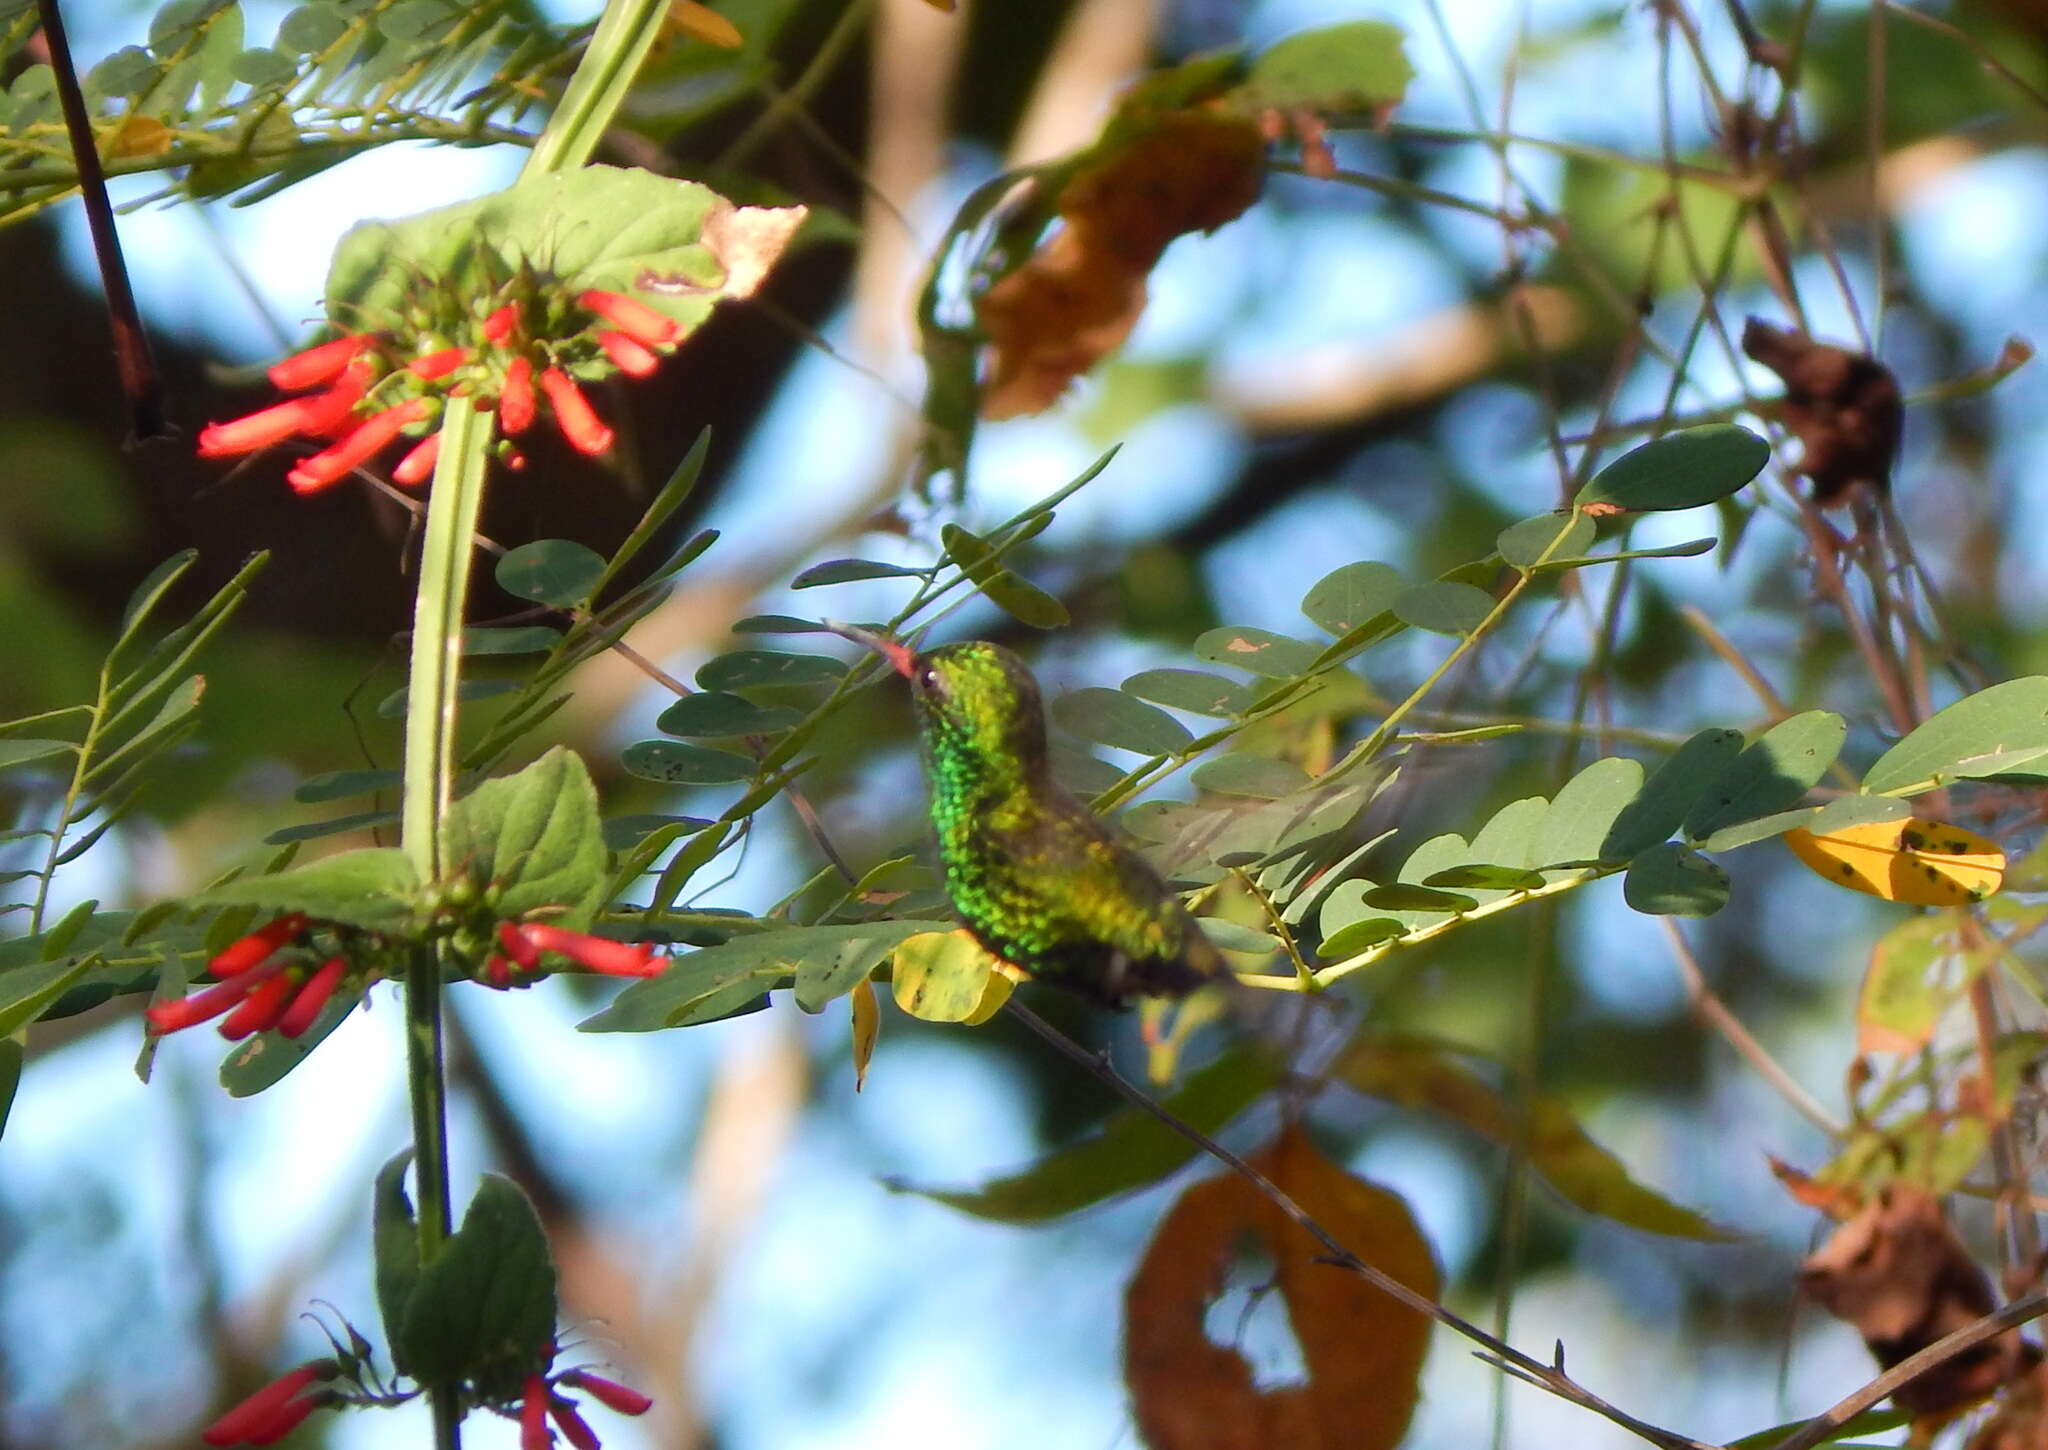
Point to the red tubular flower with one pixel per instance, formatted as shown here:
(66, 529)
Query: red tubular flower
(628, 356)
(205, 1006)
(325, 469)
(262, 1410)
(316, 365)
(438, 364)
(516, 461)
(515, 405)
(255, 431)
(574, 1429)
(578, 421)
(593, 953)
(512, 940)
(498, 972)
(636, 319)
(533, 1416)
(259, 945)
(609, 1393)
(311, 998)
(261, 1008)
(333, 411)
(418, 465)
(500, 324)
(288, 1419)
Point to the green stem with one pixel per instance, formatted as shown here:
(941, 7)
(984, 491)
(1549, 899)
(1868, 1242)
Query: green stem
(445, 558)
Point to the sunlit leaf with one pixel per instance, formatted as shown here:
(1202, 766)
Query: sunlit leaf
(1774, 772)
(1998, 729)
(1919, 862)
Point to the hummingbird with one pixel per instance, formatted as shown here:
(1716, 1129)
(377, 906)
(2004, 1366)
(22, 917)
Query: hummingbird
(1038, 879)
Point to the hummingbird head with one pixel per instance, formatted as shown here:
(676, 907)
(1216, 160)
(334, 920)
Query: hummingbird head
(973, 696)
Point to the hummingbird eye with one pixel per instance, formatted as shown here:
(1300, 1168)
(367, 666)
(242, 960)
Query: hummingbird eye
(928, 679)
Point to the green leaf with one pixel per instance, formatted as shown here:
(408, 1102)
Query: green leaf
(1258, 651)
(677, 764)
(1681, 470)
(533, 839)
(1442, 607)
(1238, 773)
(1870, 1422)
(1486, 878)
(1133, 1150)
(1657, 810)
(821, 979)
(1118, 720)
(395, 1249)
(1774, 773)
(748, 667)
(21, 751)
(339, 785)
(1348, 598)
(334, 826)
(311, 28)
(551, 571)
(712, 714)
(1859, 810)
(373, 888)
(693, 548)
(530, 639)
(26, 995)
(844, 571)
(260, 1062)
(484, 1307)
(675, 246)
(1674, 880)
(260, 68)
(1354, 67)
(1551, 538)
(1414, 896)
(1007, 590)
(679, 486)
(1355, 936)
(1418, 1073)
(751, 964)
(1970, 739)
(1578, 821)
(1196, 691)
(777, 624)
(11, 1054)
(1691, 548)
(1229, 936)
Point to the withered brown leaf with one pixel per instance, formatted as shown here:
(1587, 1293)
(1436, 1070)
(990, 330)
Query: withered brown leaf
(1842, 406)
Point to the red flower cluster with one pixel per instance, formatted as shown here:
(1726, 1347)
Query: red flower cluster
(259, 987)
(274, 1411)
(521, 944)
(543, 1400)
(372, 389)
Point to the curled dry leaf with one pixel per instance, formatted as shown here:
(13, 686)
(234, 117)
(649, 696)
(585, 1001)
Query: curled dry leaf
(1842, 406)
(1362, 1351)
(1079, 295)
(745, 239)
(1898, 1274)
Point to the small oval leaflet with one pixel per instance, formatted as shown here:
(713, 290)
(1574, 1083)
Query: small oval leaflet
(1196, 691)
(1118, 720)
(747, 667)
(560, 572)
(845, 571)
(1444, 607)
(1919, 862)
(1261, 776)
(714, 713)
(1258, 651)
(1345, 598)
(676, 764)
(1681, 470)
(1548, 538)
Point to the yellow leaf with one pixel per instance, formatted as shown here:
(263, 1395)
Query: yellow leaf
(943, 976)
(1919, 862)
(701, 22)
(141, 136)
(867, 1026)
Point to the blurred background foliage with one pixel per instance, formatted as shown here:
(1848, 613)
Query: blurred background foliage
(1392, 368)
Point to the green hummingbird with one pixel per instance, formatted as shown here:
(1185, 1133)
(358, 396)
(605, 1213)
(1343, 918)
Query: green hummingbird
(1039, 880)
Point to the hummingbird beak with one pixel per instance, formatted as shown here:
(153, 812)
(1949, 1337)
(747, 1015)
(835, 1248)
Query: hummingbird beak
(901, 657)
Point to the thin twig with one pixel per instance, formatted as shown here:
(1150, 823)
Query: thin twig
(1550, 1377)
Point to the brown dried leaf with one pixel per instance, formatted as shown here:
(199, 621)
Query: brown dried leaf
(701, 22)
(1363, 1351)
(1078, 296)
(867, 1027)
(1897, 1272)
(1836, 1200)
(1842, 406)
(2020, 1422)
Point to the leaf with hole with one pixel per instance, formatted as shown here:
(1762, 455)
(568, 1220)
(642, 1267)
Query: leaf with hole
(1258, 651)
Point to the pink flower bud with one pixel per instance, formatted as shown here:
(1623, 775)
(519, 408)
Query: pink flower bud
(574, 1429)
(594, 953)
(175, 1016)
(254, 431)
(333, 411)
